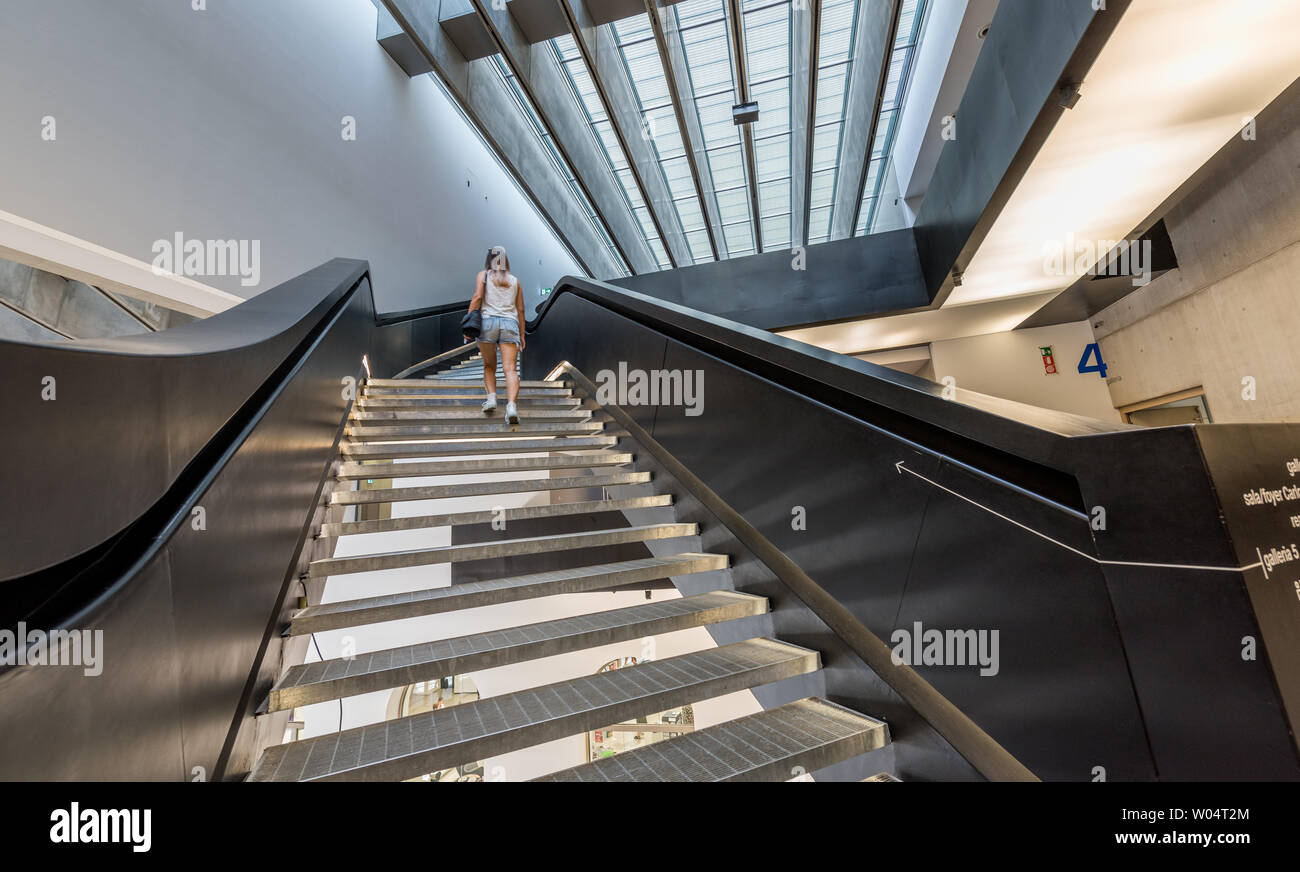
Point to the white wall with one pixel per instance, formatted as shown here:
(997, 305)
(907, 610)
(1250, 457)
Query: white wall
(226, 123)
(1009, 365)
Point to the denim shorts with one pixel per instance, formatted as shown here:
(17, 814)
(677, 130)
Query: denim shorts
(499, 331)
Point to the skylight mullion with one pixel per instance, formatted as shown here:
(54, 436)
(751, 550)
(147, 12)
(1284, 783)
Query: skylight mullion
(906, 40)
(707, 48)
(635, 40)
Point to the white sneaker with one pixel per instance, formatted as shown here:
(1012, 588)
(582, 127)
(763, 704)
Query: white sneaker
(490, 404)
(512, 414)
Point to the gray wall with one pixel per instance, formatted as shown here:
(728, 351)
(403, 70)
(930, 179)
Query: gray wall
(226, 123)
(1228, 311)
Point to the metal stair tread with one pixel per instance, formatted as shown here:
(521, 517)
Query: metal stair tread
(771, 745)
(425, 661)
(483, 488)
(473, 594)
(410, 746)
(361, 449)
(380, 471)
(553, 510)
(500, 548)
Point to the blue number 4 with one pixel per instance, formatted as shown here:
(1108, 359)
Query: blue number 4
(1092, 350)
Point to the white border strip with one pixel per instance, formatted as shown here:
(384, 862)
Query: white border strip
(46, 248)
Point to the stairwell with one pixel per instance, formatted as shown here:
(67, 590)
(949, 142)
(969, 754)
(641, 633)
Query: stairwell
(430, 427)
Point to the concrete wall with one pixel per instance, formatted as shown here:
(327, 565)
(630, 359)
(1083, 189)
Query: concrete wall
(1009, 365)
(1229, 312)
(227, 124)
(38, 306)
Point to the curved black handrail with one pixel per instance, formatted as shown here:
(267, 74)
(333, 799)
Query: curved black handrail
(436, 359)
(231, 365)
(1010, 442)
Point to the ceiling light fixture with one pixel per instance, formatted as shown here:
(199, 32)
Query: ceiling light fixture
(744, 113)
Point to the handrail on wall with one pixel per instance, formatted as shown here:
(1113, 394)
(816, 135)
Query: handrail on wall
(436, 359)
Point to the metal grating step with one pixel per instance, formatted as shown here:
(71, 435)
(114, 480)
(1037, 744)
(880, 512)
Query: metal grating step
(411, 746)
(882, 776)
(473, 594)
(584, 460)
(555, 510)
(461, 400)
(504, 548)
(424, 383)
(460, 390)
(482, 488)
(379, 450)
(423, 416)
(483, 427)
(773, 745)
(382, 670)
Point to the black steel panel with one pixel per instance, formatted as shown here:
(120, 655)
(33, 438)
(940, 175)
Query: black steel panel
(189, 617)
(1209, 714)
(131, 412)
(766, 451)
(830, 281)
(256, 511)
(594, 339)
(123, 725)
(1061, 700)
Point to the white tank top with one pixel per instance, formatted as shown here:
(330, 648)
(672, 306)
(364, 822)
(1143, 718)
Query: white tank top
(499, 300)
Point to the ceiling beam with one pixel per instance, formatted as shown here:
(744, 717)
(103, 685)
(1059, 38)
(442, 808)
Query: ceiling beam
(544, 80)
(613, 86)
(1009, 108)
(672, 57)
(488, 105)
(740, 73)
(873, 45)
(803, 96)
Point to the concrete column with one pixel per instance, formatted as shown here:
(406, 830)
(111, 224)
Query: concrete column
(491, 107)
(604, 63)
(542, 77)
(872, 49)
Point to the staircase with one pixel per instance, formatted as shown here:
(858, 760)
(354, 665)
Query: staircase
(429, 427)
(471, 369)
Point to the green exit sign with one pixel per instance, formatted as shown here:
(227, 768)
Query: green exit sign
(545, 292)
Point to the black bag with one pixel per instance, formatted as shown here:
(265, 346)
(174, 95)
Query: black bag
(472, 324)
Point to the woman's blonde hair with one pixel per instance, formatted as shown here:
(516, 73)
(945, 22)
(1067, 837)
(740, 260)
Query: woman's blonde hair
(497, 263)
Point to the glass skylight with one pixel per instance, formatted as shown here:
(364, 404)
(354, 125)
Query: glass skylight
(768, 40)
(636, 42)
(584, 90)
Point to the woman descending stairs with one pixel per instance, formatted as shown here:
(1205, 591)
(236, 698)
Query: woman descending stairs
(431, 427)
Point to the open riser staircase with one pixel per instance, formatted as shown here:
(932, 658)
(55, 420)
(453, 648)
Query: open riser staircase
(422, 428)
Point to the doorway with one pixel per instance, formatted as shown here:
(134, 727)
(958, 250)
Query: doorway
(1183, 407)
